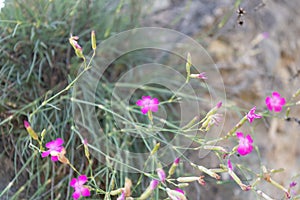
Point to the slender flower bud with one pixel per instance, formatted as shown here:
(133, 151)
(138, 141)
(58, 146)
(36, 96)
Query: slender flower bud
(153, 184)
(127, 187)
(188, 67)
(173, 167)
(182, 185)
(191, 123)
(215, 148)
(161, 174)
(192, 179)
(202, 75)
(236, 178)
(176, 194)
(211, 118)
(155, 149)
(93, 38)
(76, 46)
(116, 192)
(86, 149)
(207, 171)
(31, 132)
(297, 93)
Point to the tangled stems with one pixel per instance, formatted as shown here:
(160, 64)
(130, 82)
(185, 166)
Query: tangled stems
(86, 68)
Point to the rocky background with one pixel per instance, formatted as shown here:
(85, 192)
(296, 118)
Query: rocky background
(255, 58)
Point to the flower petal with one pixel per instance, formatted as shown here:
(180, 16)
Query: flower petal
(146, 97)
(55, 143)
(73, 182)
(59, 142)
(282, 101)
(82, 179)
(275, 94)
(54, 158)
(155, 101)
(45, 154)
(139, 102)
(249, 138)
(277, 108)
(239, 135)
(144, 110)
(76, 195)
(85, 192)
(154, 108)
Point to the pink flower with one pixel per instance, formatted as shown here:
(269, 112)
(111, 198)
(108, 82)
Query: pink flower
(275, 102)
(161, 174)
(251, 115)
(80, 189)
(245, 144)
(148, 104)
(153, 184)
(54, 149)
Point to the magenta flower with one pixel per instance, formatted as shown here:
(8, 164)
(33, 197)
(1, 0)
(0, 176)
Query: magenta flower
(161, 174)
(148, 104)
(54, 149)
(245, 144)
(80, 189)
(275, 102)
(251, 115)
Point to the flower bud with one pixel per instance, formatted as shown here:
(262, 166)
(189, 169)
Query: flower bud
(176, 194)
(188, 67)
(207, 171)
(155, 149)
(76, 46)
(173, 167)
(93, 38)
(161, 174)
(31, 132)
(202, 75)
(153, 184)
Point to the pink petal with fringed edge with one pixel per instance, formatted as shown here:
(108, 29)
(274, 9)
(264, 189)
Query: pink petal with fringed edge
(45, 154)
(76, 195)
(73, 182)
(82, 179)
(85, 192)
(54, 158)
